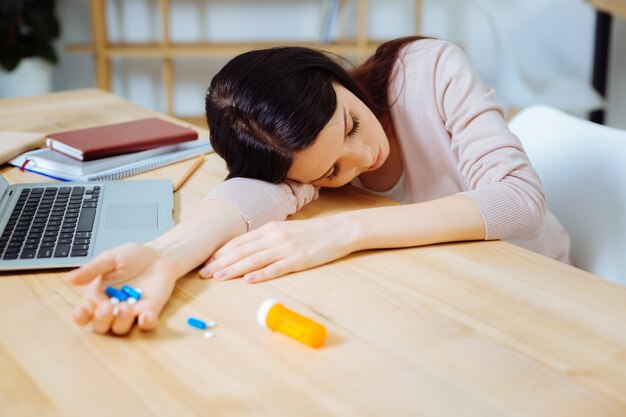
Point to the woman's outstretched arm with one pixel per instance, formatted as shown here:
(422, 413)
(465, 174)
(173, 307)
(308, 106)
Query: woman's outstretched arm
(279, 248)
(153, 268)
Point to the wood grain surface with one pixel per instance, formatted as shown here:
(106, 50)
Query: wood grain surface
(466, 329)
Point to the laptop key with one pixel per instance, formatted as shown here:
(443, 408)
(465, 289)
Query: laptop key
(45, 253)
(28, 254)
(80, 253)
(82, 241)
(80, 247)
(85, 222)
(11, 255)
(83, 235)
(62, 251)
(78, 190)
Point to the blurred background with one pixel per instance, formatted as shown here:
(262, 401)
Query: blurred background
(531, 51)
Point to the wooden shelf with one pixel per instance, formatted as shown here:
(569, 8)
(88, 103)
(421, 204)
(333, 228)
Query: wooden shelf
(206, 49)
(166, 50)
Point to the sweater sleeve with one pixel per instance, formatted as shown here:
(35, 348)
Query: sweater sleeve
(498, 174)
(261, 202)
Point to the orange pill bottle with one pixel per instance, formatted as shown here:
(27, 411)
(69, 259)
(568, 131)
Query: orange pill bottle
(277, 317)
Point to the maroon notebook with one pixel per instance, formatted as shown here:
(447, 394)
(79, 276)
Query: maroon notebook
(115, 139)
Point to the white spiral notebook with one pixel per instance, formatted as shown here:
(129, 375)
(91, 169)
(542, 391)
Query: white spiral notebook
(58, 166)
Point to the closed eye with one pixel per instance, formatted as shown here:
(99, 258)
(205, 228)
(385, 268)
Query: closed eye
(333, 174)
(355, 126)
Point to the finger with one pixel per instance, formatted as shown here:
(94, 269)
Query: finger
(237, 242)
(249, 264)
(271, 271)
(123, 322)
(93, 295)
(102, 317)
(233, 257)
(101, 265)
(84, 311)
(147, 312)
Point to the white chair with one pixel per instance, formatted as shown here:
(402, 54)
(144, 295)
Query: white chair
(567, 93)
(582, 166)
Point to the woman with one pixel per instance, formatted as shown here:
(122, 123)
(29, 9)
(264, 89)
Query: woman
(414, 123)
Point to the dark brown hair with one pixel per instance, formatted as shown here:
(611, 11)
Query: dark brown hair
(265, 105)
(374, 74)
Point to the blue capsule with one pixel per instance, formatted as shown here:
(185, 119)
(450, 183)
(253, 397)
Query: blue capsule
(199, 324)
(132, 292)
(114, 292)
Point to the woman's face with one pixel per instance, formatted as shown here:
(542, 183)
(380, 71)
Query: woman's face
(351, 143)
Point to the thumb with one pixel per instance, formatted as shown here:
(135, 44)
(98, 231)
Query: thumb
(103, 264)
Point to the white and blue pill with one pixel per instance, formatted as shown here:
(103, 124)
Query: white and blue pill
(114, 292)
(132, 292)
(199, 324)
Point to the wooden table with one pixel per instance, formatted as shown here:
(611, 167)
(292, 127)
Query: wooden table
(472, 329)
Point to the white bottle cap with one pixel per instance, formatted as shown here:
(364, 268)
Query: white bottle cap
(264, 310)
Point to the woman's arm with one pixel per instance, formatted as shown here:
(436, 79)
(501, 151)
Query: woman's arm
(260, 202)
(279, 248)
(500, 178)
(231, 209)
(194, 239)
(153, 268)
(449, 219)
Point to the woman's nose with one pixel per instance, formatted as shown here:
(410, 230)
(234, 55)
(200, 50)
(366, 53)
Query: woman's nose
(361, 155)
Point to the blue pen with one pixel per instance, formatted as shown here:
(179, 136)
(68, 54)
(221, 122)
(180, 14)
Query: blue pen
(47, 175)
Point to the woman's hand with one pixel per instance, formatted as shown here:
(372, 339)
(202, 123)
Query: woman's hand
(139, 266)
(279, 248)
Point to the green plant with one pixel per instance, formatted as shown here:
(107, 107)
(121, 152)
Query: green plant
(27, 29)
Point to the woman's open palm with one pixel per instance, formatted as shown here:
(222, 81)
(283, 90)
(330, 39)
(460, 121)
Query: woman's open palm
(139, 266)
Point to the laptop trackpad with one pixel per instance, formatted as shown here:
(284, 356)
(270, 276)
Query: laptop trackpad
(132, 216)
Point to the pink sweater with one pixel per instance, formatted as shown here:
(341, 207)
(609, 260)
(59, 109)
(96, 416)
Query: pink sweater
(453, 139)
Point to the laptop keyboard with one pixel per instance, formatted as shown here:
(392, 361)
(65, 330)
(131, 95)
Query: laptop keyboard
(51, 222)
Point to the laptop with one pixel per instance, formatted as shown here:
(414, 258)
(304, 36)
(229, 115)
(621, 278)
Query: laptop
(60, 225)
